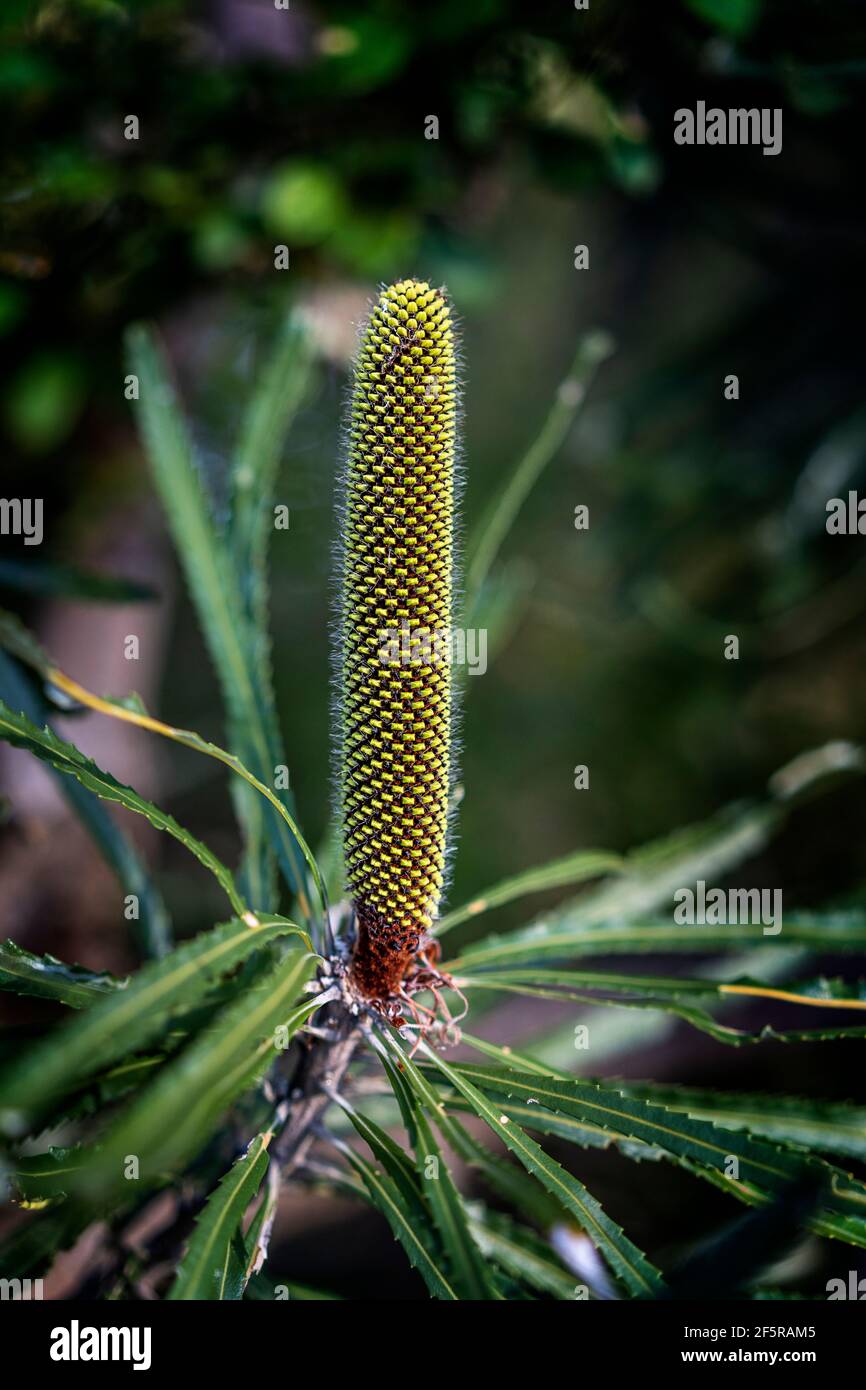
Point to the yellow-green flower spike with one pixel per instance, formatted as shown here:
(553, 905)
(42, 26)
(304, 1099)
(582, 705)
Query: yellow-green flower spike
(397, 596)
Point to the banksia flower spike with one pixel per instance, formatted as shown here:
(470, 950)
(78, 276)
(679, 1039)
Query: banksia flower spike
(397, 595)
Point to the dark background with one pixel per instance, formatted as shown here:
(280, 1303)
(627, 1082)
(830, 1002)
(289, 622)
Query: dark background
(306, 127)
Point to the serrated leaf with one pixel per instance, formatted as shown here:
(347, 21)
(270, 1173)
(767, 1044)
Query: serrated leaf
(168, 1122)
(559, 873)
(469, 1273)
(127, 1020)
(382, 1194)
(667, 994)
(213, 585)
(565, 935)
(396, 1162)
(130, 711)
(627, 1262)
(46, 977)
(210, 1268)
(503, 1177)
(46, 1175)
(837, 1127)
(152, 926)
(64, 757)
(608, 919)
(771, 1167)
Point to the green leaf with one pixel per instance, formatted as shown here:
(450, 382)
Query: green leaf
(849, 1228)
(768, 1166)
(522, 1253)
(701, 1019)
(152, 927)
(168, 1122)
(497, 521)
(826, 1126)
(566, 1127)
(666, 993)
(130, 711)
(126, 1020)
(628, 1263)
(502, 1176)
(533, 1116)
(469, 1273)
(64, 757)
(37, 1177)
(396, 1162)
(210, 1269)
(21, 972)
(559, 873)
(608, 919)
(266, 423)
(567, 934)
(675, 1134)
(267, 419)
(385, 1198)
(214, 589)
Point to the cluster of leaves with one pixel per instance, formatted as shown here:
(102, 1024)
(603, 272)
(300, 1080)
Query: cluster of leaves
(188, 1070)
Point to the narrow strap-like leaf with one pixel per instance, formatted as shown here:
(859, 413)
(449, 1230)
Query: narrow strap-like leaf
(559, 873)
(19, 642)
(833, 1126)
(628, 1263)
(152, 926)
(126, 1020)
(497, 521)
(505, 1178)
(769, 1166)
(609, 918)
(64, 757)
(212, 583)
(22, 972)
(522, 1253)
(210, 1268)
(469, 1272)
(564, 935)
(667, 994)
(167, 1123)
(383, 1196)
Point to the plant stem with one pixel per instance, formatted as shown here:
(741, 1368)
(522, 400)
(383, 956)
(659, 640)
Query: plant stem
(320, 1074)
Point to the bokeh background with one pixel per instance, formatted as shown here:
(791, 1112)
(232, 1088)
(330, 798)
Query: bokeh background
(306, 127)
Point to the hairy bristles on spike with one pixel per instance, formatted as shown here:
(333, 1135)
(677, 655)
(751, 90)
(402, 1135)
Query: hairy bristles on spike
(397, 586)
